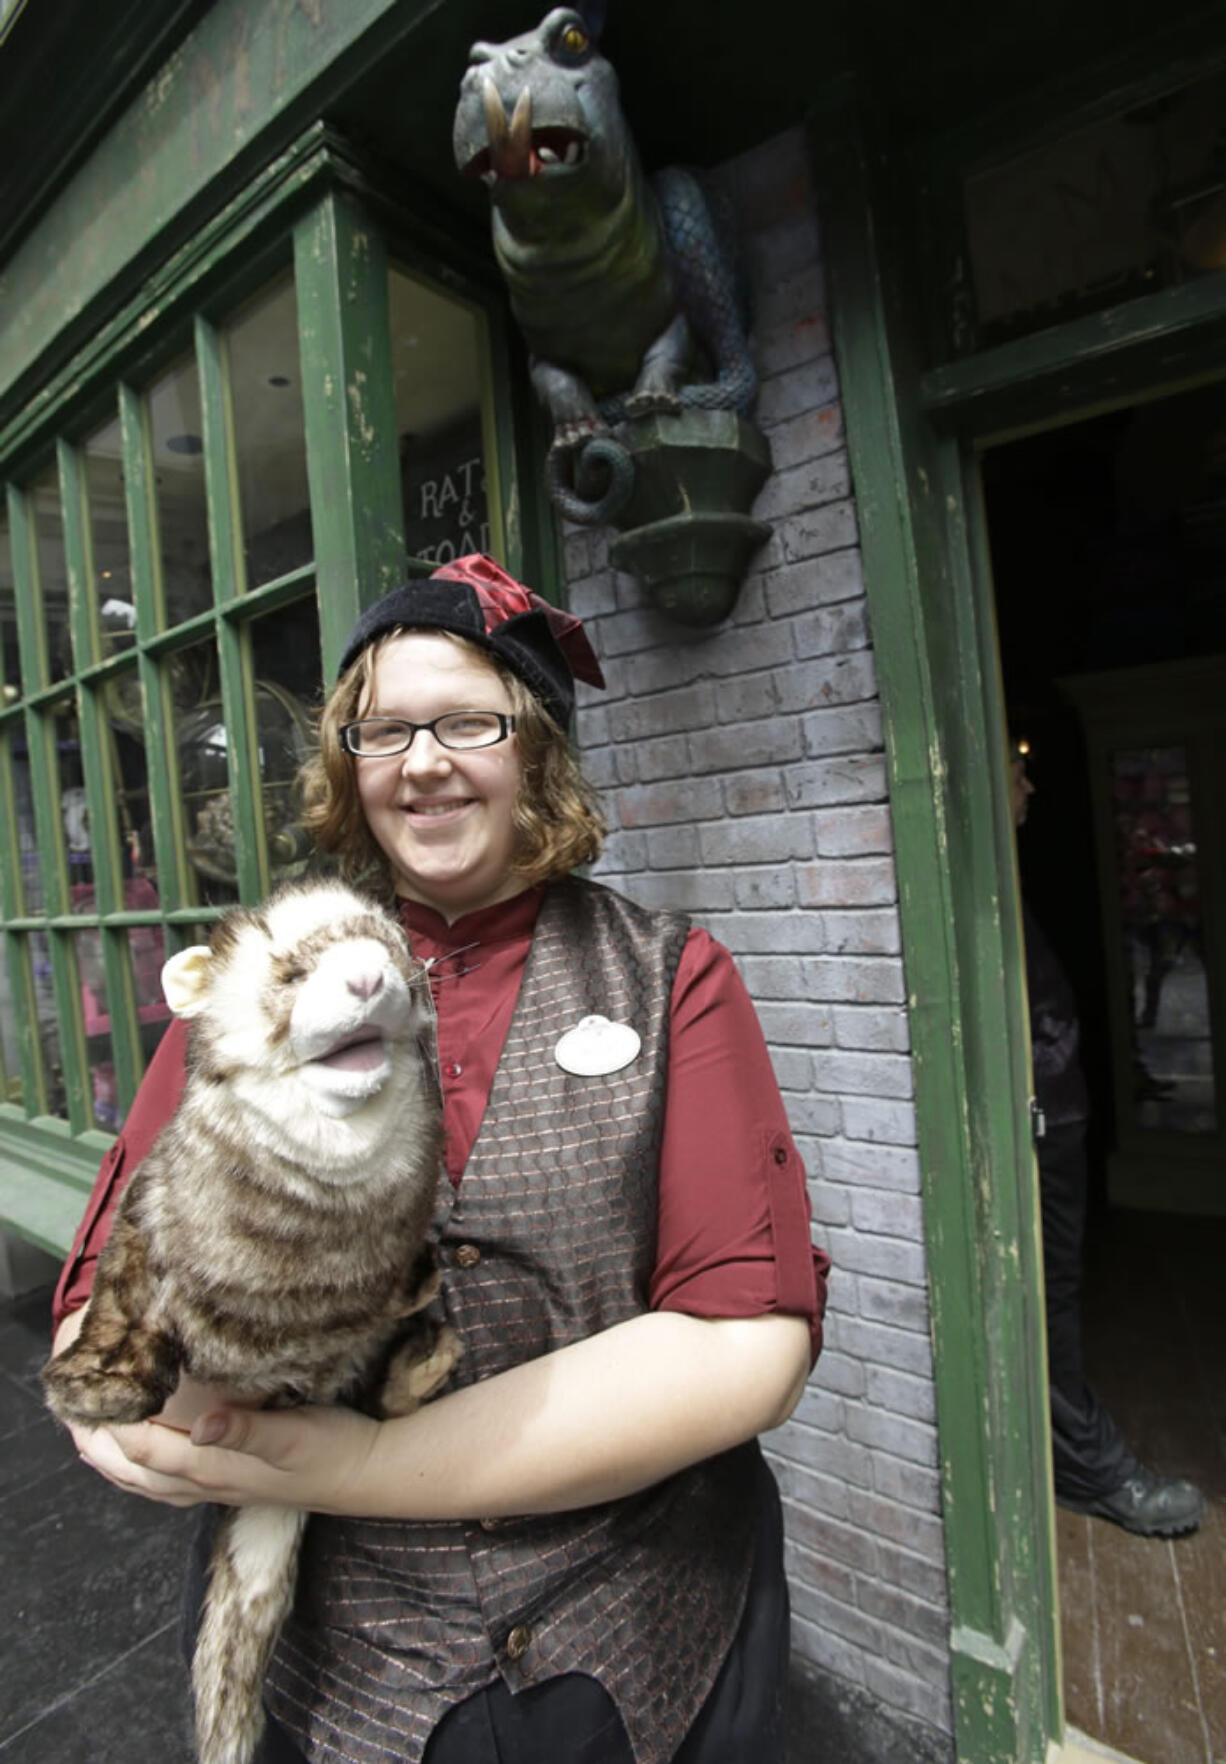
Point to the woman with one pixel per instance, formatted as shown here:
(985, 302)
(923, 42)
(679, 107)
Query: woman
(575, 1552)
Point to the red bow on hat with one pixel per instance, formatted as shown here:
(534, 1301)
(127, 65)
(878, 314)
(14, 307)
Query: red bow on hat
(503, 598)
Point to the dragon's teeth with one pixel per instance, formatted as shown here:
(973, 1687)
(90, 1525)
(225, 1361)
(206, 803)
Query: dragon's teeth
(547, 156)
(572, 153)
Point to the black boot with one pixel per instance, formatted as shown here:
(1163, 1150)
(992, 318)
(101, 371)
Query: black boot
(1149, 1504)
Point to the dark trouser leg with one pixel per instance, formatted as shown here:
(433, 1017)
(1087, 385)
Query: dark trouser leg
(1089, 1456)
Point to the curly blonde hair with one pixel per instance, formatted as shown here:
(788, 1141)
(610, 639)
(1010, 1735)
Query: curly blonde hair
(558, 823)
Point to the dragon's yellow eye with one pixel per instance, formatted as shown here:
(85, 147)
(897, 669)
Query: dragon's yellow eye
(574, 40)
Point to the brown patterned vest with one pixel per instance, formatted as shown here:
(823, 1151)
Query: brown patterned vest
(550, 1238)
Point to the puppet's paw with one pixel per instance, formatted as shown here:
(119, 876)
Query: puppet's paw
(86, 1394)
(648, 401)
(426, 1283)
(419, 1368)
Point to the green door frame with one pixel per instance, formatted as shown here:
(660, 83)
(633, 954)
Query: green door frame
(914, 436)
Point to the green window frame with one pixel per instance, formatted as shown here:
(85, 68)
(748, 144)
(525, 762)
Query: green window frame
(317, 215)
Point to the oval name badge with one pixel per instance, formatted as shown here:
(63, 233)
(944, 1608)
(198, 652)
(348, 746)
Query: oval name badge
(596, 1047)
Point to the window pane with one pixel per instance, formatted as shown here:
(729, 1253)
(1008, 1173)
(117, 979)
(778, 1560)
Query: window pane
(28, 884)
(285, 651)
(104, 1098)
(269, 434)
(108, 527)
(436, 361)
(1163, 941)
(204, 779)
(1128, 205)
(176, 434)
(142, 948)
(75, 827)
(52, 573)
(10, 1017)
(48, 1023)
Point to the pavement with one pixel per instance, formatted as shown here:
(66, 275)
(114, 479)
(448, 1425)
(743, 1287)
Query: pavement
(90, 1670)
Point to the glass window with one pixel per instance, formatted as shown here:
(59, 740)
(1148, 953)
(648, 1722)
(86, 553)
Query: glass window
(44, 496)
(1128, 205)
(176, 437)
(10, 1017)
(436, 362)
(269, 434)
(48, 1024)
(108, 532)
(286, 657)
(1162, 917)
(77, 835)
(214, 438)
(203, 766)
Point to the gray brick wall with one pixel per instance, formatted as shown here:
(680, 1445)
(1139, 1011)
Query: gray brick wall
(743, 775)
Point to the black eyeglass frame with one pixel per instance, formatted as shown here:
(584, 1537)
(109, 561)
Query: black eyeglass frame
(504, 719)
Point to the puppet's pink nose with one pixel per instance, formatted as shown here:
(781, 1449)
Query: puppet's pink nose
(365, 984)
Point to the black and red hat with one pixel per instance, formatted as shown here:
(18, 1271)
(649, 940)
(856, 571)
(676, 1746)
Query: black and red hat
(476, 599)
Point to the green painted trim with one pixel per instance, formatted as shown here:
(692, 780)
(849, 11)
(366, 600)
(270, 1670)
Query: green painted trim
(946, 759)
(16, 949)
(227, 560)
(344, 326)
(1106, 358)
(229, 572)
(135, 335)
(94, 737)
(145, 555)
(31, 632)
(46, 1175)
(242, 84)
(188, 915)
(70, 70)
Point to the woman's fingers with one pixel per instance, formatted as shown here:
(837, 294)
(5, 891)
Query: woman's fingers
(103, 1452)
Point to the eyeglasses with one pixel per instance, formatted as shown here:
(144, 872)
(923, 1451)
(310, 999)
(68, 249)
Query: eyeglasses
(381, 737)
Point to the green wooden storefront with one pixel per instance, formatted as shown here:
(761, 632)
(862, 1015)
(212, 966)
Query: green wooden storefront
(207, 200)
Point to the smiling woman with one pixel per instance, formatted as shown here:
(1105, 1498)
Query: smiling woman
(623, 1233)
(443, 816)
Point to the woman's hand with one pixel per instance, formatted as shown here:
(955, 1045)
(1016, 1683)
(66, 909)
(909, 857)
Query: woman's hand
(311, 1457)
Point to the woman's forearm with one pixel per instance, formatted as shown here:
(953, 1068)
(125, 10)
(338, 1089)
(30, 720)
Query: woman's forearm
(588, 1423)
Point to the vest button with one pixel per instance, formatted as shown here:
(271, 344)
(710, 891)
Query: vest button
(467, 1256)
(519, 1641)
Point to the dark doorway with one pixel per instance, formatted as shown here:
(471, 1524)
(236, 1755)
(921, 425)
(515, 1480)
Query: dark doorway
(1108, 541)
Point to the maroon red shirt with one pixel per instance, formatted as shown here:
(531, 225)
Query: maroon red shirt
(733, 1210)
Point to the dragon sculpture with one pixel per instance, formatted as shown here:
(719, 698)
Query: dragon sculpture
(621, 284)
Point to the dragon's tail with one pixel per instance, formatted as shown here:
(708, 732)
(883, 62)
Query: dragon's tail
(251, 1587)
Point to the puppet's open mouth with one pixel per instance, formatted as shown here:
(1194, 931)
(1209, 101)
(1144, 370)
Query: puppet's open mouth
(516, 150)
(543, 150)
(360, 1052)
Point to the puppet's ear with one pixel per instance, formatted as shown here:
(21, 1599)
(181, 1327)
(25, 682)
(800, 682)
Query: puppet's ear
(185, 980)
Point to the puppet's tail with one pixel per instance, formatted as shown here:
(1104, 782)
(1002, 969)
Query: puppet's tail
(251, 1588)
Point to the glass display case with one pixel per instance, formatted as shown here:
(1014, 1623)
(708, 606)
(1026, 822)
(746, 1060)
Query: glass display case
(1156, 739)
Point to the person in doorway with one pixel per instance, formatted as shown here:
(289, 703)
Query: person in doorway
(575, 1552)
(1094, 1470)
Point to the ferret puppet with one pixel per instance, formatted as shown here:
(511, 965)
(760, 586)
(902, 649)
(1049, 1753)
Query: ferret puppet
(274, 1238)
